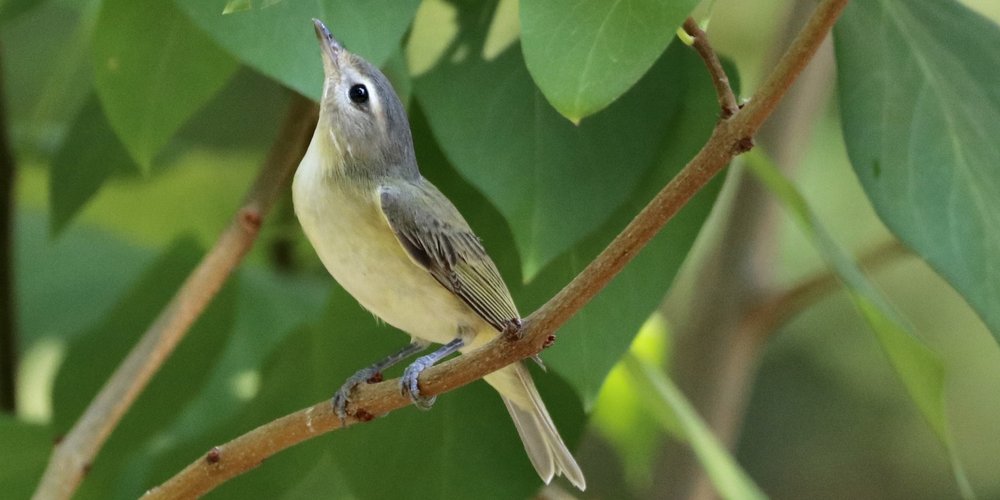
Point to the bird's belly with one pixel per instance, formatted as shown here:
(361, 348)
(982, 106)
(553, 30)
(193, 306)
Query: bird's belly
(360, 251)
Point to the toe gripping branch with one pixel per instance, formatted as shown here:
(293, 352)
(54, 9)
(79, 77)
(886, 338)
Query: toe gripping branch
(370, 374)
(409, 384)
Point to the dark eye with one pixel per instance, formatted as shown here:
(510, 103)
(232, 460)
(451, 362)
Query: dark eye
(358, 94)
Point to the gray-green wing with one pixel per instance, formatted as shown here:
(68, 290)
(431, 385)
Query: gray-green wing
(436, 237)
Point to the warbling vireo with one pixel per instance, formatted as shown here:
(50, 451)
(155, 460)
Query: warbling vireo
(395, 243)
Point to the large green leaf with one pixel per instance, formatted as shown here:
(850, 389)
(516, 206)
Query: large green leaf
(90, 154)
(553, 182)
(153, 69)
(277, 38)
(920, 369)
(55, 279)
(664, 398)
(921, 115)
(584, 54)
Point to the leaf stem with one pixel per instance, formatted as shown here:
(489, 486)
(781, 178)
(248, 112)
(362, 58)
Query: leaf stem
(731, 137)
(72, 456)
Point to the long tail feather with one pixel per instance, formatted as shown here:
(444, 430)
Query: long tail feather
(546, 450)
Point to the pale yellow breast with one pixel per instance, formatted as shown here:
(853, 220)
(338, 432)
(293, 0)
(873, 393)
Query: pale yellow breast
(358, 248)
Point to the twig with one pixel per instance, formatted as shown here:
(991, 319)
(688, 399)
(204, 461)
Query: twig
(8, 316)
(715, 354)
(765, 319)
(727, 101)
(72, 455)
(730, 137)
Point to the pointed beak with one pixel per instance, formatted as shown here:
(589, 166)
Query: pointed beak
(329, 45)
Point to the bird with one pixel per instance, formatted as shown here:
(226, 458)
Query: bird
(393, 241)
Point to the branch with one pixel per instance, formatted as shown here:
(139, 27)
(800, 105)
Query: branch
(731, 137)
(727, 101)
(72, 456)
(764, 320)
(8, 316)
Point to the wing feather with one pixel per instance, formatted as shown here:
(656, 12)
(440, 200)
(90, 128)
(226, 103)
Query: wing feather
(438, 239)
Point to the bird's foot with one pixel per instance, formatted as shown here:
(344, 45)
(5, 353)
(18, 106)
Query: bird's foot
(343, 395)
(409, 384)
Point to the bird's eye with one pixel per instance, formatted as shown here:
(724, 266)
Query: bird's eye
(358, 94)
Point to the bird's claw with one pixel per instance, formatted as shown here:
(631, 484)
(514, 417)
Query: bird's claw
(409, 383)
(342, 396)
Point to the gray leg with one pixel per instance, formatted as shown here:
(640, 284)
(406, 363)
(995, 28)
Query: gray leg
(363, 375)
(409, 385)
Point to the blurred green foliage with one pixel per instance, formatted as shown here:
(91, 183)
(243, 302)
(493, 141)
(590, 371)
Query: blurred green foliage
(138, 127)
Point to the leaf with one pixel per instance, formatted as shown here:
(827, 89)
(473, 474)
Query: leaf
(918, 368)
(920, 107)
(10, 9)
(552, 181)
(594, 339)
(90, 155)
(63, 272)
(621, 417)
(665, 398)
(270, 306)
(584, 54)
(26, 449)
(153, 69)
(93, 355)
(278, 40)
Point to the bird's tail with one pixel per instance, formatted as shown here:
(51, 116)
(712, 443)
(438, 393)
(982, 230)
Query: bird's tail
(545, 447)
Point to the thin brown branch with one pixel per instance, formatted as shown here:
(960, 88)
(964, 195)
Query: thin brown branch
(730, 138)
(714, 355)
(8, 313)
(727, 100)
(74, 453)
(764, 320)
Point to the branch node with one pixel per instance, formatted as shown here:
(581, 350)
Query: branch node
(363, 416)
(551, 339)
(214, 455)
(250, 219)
(514, 330)
(743, 145)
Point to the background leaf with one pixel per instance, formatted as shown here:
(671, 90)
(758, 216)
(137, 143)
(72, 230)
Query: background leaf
(921, 113)
(90, 154)
(919, 368)
(664, 397)
(9, 9)
(552, 181)
(153, 69)
(584, 54)
(94, 355)
(25, 453)
(279, 40)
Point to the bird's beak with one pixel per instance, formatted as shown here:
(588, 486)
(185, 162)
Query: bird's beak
(329, 45)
